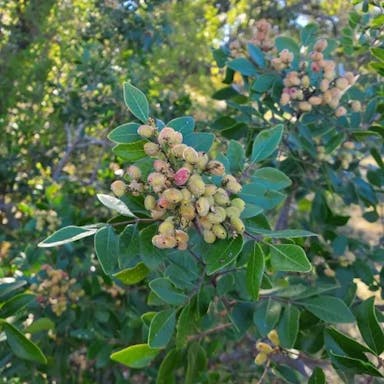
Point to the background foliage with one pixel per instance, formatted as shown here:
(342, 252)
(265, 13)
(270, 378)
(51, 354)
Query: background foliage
(62, 66)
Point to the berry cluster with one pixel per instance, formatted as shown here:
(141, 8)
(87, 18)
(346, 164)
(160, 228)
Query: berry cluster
(316, 83)
(57, 290)
(180, 190)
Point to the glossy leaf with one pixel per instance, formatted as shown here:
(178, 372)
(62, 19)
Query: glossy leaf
(125, 133)
(136, 102)
(135, 356)
(369, 326)
(21, 346)
(288, 328)
(131, 151)
(255, 270)
(329, 309)
(115, 204)
(107, 249)
(289, 257)
(266, 143)
(162, 328)
(167, 292)
(68, 235)
(130, 276)
(15, 304)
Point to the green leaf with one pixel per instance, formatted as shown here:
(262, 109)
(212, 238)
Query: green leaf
(136, 102)
(260, 197)
(131, 151)
(242, 65)
(266, 143)
(39, 325)
(255, 270)
(256, 55)
(354, 366)
(184, 124)
(288, 328)
(130, 276)
(348, 345)
(289, 257)
(135, 356)
(107, 249)
(166, 372)
(369, 326)
(271, 178)
(161, 328)
(15, 304)
(200, 141)
(308, 34)
(21, 346)
(264, 83)
(196, 363)
(151, 255)
(329, 309)
(284, 233)
(266, 315)
(236, 156)
(68, 235)
(317, 377)
(222, 253)
(283, 42)
(378, 53)
(185, 324)
(116, 204)
(125, 133)
(7, 289)
(167, 292)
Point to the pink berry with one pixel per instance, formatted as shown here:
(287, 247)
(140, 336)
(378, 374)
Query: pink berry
(182, 176)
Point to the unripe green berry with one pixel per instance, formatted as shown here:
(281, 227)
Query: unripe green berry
(237, 224)
(118, 187)
(187, 211)
(146, 131)
(219, 231)
(190, 155)
(149, 202)
(216, 168)
(166, 228)
(196, 185)
(238, 203)
(210, 189)
(231, 184)
(151, 149)
(187, 195)
(221, 197)
(202, 161)
(134, 172)
(202, 206)
(218, 215)
(209, 236)
(232, 212)
(173, 195)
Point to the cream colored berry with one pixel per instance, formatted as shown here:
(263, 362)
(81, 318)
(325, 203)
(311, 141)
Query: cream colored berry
(264, 347)
(219, 231)
(173, 195)
(157, 213)
(261, 358)
(216, 168)
(202, 206)
(146, 131)
(320, 45)
(167, 228)
(221, 197)
(237, 224)
(134, 172)
(231, 184)
(135, 188)
(315, 100)
(196, 185)
(273, 336)
(187, 211)
(341, 111)
(238, 203)
(232, 212)
(164, 241)
(342, 83)
(190, 155)
(209, 236)
(210, 189)
(356, 106)
(305, 106)
(182, 239)
(165, 136)
(205, 223)
(202, 161)
(178, 149)
(151, 149)
(119, 188)
(285, 99)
